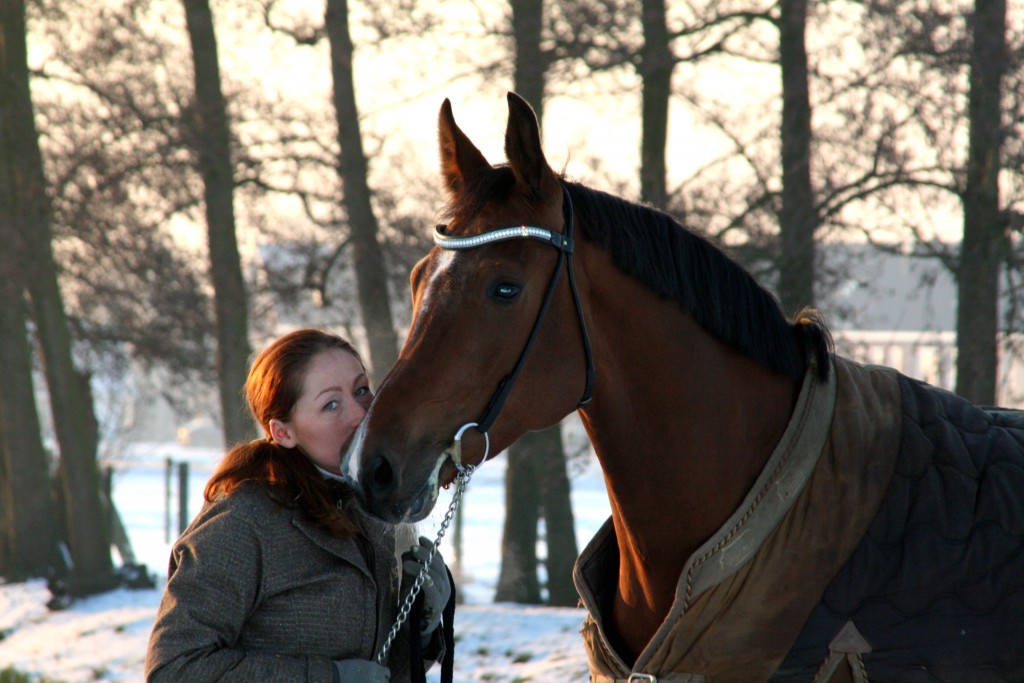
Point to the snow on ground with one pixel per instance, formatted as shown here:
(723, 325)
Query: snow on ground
(104, 638)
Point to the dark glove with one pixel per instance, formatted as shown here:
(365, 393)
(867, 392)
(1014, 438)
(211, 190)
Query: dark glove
(360, 671)
(436, 590)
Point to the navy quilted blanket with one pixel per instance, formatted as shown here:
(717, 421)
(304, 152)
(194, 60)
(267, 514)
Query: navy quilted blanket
(936, 587)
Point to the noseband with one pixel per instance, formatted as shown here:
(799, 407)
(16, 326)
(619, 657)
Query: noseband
(563, 242)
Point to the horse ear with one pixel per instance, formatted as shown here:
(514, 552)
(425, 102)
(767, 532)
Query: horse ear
(460, 158)
(523, 149)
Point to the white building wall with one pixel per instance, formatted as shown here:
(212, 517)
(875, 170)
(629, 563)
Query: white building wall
(931, 356)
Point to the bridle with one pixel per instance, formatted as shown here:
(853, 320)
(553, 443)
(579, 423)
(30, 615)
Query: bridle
(563, 242)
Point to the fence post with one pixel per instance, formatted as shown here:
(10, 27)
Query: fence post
(107, 481)
(169, 464)
(118, 534)
(182, 496)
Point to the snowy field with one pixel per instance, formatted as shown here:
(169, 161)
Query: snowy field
(104, 638)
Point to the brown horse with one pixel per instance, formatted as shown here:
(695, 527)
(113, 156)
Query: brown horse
(739, 503)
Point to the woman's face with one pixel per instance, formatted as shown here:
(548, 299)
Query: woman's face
(335, 396)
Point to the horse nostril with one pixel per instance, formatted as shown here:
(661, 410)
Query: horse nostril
(381, 481)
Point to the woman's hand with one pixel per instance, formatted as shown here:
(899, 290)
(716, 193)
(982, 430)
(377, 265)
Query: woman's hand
(436, 590)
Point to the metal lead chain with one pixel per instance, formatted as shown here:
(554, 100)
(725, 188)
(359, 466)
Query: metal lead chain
(465, 472)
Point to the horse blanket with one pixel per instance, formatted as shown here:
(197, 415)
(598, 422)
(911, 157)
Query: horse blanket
(884, 541)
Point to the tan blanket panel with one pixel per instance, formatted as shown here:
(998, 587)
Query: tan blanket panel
(741, 627)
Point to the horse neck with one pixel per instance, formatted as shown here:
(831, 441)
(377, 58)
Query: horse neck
(682, 426)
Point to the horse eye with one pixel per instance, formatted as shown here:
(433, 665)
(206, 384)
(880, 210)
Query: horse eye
(505, 291)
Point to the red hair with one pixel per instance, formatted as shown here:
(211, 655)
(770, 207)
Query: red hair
(291, 479)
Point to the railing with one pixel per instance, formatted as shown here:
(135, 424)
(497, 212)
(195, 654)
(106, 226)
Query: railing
(931, 356)
(156, 495)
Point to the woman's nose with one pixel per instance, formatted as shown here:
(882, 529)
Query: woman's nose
(356, 411)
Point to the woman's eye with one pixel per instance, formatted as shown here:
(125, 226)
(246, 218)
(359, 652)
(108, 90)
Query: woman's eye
(331, 405)
(363, 391)
(505, 291)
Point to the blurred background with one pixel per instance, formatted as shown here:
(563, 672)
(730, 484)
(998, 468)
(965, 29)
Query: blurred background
(181, 181)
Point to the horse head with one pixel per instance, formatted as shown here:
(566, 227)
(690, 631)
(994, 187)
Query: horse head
(498, 343)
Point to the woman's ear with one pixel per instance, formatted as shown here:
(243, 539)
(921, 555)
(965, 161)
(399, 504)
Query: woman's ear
(281, 433)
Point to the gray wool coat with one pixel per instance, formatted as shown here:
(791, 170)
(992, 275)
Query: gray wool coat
(255, 592)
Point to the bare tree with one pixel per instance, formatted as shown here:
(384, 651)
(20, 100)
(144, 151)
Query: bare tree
(86, 528)
(798, 218)
(371, 272)
(29, 535)
(985, 222)
(656, 65)
(213, 148)
(959, 53)
(120, 161)
(695, 37)
(351, 166)
(28, 523)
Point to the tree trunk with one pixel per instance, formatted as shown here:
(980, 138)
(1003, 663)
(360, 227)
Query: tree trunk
(798, 218)
(984, 241)
(517, 578)
(656, 74)
(537, 486)
(559, 522)
(8, 554)
(370, 267)
(29, 522)
(70, 399)
(215, 165)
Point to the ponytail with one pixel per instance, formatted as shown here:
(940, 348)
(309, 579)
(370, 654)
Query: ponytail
(290, 479)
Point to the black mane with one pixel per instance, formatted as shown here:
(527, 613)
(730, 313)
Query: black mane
(722, 297)
(682, 266)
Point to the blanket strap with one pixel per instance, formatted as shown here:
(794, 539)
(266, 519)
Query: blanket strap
(648, 678)
(845, 661)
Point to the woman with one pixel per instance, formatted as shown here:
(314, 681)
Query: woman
(280, 577)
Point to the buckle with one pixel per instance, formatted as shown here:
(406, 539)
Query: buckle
(642, 678)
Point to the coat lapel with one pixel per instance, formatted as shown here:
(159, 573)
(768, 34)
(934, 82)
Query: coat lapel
(345, 549)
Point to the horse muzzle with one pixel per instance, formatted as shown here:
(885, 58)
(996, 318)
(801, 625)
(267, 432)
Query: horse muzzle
(400, 489)
(396, 495)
